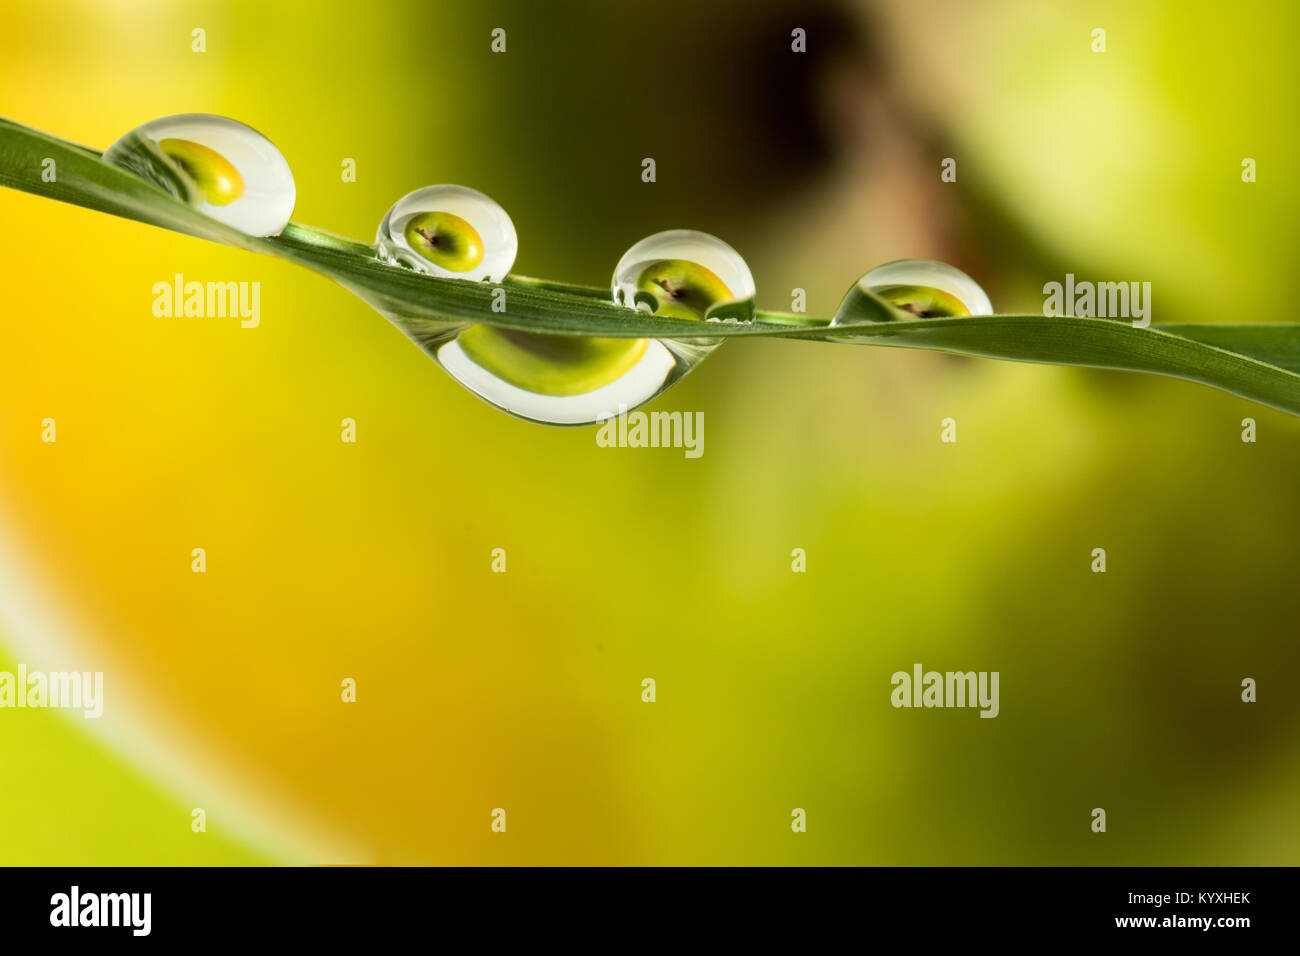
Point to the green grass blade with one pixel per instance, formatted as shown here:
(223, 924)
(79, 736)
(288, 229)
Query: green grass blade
(1106, 343)
(1274, 343)
(1260, 362)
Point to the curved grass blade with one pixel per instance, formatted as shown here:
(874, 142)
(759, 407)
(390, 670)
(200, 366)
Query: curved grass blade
(1105, 343)
(1258, 362)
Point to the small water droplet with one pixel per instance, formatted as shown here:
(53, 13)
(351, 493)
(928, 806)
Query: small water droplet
(450, 231)
(684, 274)
(923, 287)
(219, 166)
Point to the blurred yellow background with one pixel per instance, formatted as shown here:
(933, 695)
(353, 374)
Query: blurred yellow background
(522, 690)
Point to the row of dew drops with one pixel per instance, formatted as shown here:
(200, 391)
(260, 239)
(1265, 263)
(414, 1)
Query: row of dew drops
(234, 174)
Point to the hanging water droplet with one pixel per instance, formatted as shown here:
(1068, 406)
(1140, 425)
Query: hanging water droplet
(450, 231)
(558, 379)
(923, 287)
(579, 380)
(221, 167)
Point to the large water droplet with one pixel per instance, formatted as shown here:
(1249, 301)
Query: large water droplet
(221, 167)
(449, 231)
(923, 287)
(560, 379)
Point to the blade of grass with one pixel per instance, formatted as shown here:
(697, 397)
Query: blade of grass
(1260, 362)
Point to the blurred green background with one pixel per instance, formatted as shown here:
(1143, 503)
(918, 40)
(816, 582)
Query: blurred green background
(523, 690)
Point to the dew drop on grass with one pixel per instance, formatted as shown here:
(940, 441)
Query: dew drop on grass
(220, 167)
(685, 274)
(450, 231)
(558, 379)
(923, 287)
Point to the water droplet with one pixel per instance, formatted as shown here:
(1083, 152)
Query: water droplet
(221, 167)
(559, 379)
(450, 231)
(925, 288)
(579, 380)
(685, 274)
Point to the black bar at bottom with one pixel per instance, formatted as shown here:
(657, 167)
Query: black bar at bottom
(330, 905)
